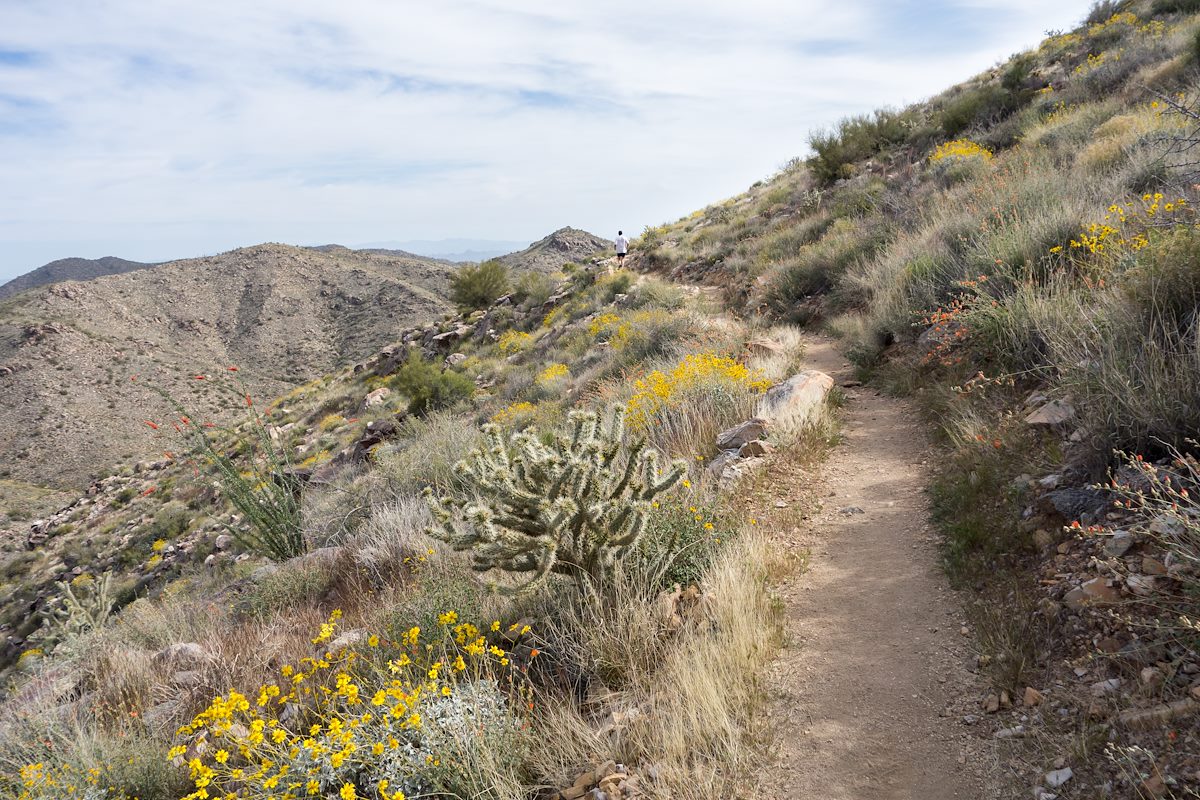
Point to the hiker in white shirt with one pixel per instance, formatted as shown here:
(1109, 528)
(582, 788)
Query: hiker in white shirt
(622, 247)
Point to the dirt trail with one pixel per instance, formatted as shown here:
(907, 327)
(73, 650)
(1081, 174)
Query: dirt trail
(870, 690)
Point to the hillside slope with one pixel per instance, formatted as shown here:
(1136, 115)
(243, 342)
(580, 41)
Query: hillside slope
(69, 269)
(281, 314)
(1021, 256)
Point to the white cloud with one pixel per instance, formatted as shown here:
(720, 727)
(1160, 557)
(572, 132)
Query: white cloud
(165, 129)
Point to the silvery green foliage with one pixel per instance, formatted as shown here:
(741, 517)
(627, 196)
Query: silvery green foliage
(82, 605)
(573, 507)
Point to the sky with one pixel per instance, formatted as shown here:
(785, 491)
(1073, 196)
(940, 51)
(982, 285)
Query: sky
(170, 129)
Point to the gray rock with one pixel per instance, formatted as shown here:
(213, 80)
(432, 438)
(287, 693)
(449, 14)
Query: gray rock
(223, 542)
(1056, 412)
(377, 397)
(1118, 544)
(796, 401)
(739, 435)
(1058, 777)
(182, 656)
(756, 449)
(738, 470)
(454, 359)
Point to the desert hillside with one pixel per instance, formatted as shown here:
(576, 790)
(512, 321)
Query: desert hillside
(69, 269)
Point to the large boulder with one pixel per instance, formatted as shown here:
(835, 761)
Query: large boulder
(797, 401)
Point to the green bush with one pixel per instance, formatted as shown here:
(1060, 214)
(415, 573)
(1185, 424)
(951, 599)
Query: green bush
(1175, 7)
(428, 387)
(479, 285)
(855, 139)
(974, 106)
(532, 288)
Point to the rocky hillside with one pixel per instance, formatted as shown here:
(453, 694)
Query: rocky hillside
(69, 352)
(69, 269)
(550, 253)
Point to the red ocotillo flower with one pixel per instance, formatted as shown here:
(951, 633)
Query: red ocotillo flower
(153, 427)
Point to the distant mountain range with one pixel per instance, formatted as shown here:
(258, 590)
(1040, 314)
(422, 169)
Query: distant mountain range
(450, 249)
(70, 269)
(282, 314)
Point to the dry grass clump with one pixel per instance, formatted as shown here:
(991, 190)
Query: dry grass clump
(690, 699)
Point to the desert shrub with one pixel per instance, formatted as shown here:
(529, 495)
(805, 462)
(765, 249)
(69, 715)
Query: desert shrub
(393, 540)
(479, 285)
(974, 107)
(819, 267)
(125, 766)
(425, 453)
(428, 387)
(512, 342)
(296, 585)
(532, 288)
(959, 160)
(855, 139)
(1165, 499)
(683, 537)
(171, 521)
(1103, 10)
(446, 722)
(574, 506)
(1175, 7)
(655, 293)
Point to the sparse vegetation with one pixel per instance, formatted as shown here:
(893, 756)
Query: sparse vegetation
(478, 285)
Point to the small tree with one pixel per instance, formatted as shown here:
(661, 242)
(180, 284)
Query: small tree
(574, 507)
(479, 285)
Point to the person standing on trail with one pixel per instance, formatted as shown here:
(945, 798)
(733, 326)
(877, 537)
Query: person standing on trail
(622, 247)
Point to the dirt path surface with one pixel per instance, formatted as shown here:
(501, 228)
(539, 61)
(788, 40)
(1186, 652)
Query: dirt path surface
(871, 687)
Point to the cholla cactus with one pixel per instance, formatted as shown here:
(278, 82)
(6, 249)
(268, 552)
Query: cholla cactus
(84, 603)
(571, 508)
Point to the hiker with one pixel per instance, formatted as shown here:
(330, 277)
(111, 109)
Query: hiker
(622, 247)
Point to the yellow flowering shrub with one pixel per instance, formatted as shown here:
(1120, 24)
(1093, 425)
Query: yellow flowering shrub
(42, 781)
(659, 390)
(512, 342)
(331, 421)
(1124, 227)
(384, 721)
(960, 149)
(553, 374)
(515, 413)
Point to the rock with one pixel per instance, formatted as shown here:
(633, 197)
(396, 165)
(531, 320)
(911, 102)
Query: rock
(162, 716)
(740, 435)
(1109, 686)
(1058, 777)
(1015, 732)
(571, 793)
(991, 704)
(1154, 786)
(1141, 585)
(1056, 412)
(1050, 481)
(764, 347)
(1032, 697)
(1093, 592)
(797, 401)
(738, 470)
(717, 466)
(1151, 678)
(377, 397)
(347, 640)
(1005, 701)
(454, 359)
(223, 542)
(1160, 714)
(1166, 525)
(1118, 544)
(182, 656)
(756, 449)
(1152, 566)
(187, 679)
(1073, 504)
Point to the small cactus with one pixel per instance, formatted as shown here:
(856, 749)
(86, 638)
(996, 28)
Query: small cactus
(85, 603)
(572, 508)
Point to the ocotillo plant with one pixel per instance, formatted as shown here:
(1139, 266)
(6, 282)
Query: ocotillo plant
(572, 508)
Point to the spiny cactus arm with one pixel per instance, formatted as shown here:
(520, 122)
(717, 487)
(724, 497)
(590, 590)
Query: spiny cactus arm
(633, 524)
(655, 481)
(614, 433)
(630, 470)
